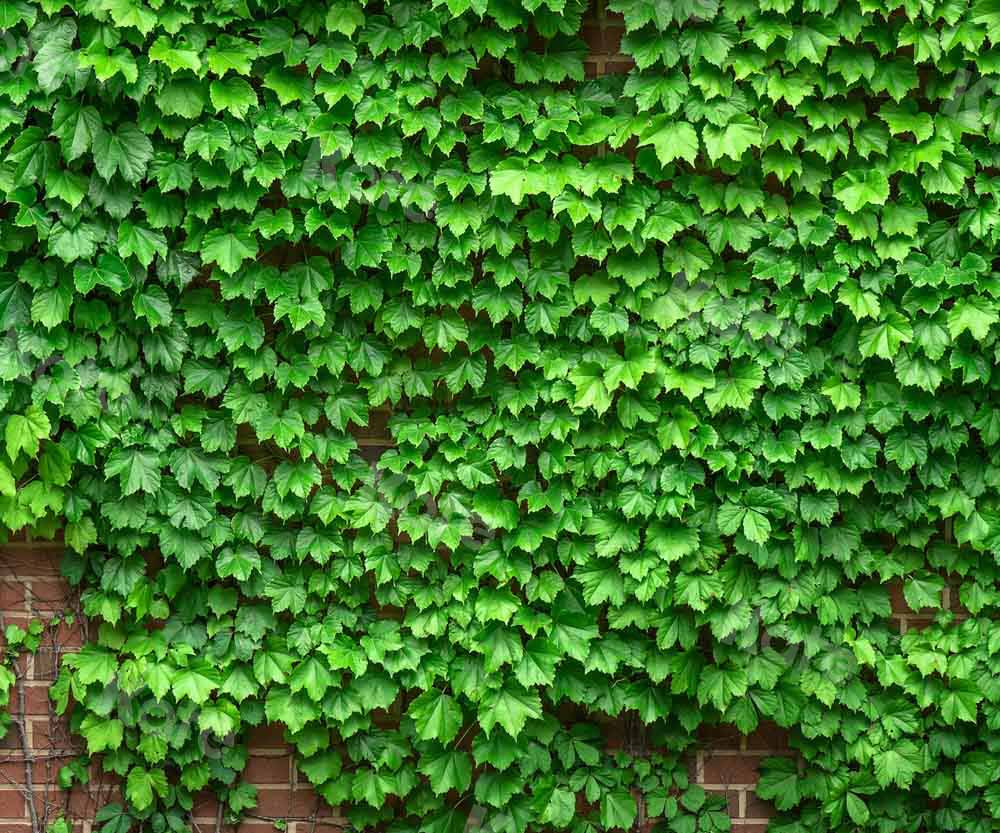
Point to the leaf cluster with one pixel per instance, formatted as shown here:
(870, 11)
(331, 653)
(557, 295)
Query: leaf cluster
(681, 368)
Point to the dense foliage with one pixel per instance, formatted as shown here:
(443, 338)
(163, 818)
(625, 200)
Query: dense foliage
(683, 367)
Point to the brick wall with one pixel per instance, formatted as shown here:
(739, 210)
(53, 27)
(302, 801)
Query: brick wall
(38, 742)
(30, 587)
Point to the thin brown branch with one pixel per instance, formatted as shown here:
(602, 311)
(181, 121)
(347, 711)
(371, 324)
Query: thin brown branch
(29, 757)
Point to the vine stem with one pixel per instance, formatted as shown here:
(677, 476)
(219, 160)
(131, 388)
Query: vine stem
(29, 757)
(313, 819)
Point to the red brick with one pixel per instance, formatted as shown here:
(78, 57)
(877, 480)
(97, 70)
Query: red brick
(85, 803)
(97, 773)
(306, 802)
(205, 806)
(45, 664)
(260, 770)
(245, 826)
(618, 67)
(586, 152)
(12, 803)
(22, 560)
(11, 740)
(376, 431)
(52, 735)
(719, 737)
(330, 825)
(603, 40)
(286, 801)
(758, 808)
(44, 592)
(897, 599)
(42, 771)
(43, 733)
(768, 736)
(267, 737)
(730, 769)
(613, 40)
(66, 635)
(12, 595)
(274, 801)
(593, 36)
(36, 699)
(11, 765)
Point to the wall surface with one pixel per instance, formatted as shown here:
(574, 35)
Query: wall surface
(30, 587)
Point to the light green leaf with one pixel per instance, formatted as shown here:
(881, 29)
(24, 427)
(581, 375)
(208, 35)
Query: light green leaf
(732, 140)
(671, 139)
(143, 785)
(24, 432)
(511, 706)
(857, 189)
(229, 249)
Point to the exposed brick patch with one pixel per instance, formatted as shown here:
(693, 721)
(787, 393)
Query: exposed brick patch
(767, 737)
(13, 595)
(45, 664)
(12, 803)
(46, 596)
(30, 586)
(726, 769)
(20, 561)
(756, 808)
(261, 770)
(285, 801)
(267, 738)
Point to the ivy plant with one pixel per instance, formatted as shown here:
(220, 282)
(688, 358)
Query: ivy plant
(680, 368)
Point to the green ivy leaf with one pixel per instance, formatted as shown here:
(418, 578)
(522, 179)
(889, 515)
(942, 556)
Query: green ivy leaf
(449, 769)
(618, 809)
(858, 189)
(142, 784)
(127, 151)
(24, 432)
(511, 707)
